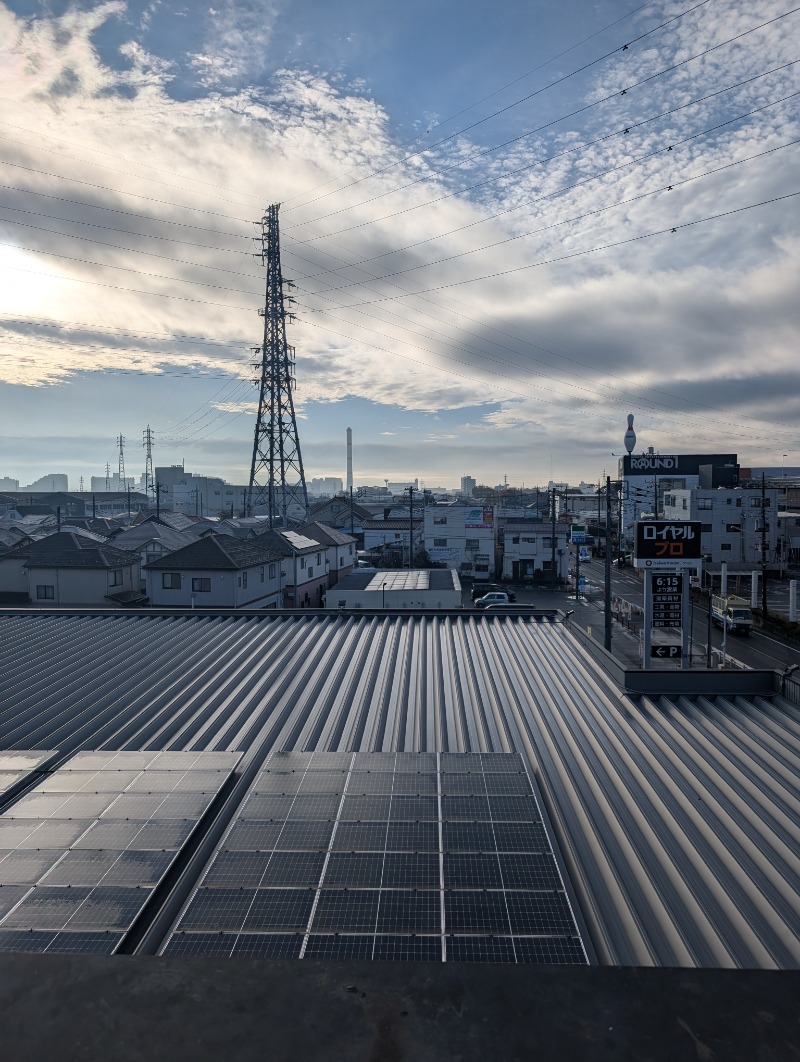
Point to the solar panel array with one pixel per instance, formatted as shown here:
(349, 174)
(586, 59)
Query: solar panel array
(407, 856)
(81, 853)
(16, 764)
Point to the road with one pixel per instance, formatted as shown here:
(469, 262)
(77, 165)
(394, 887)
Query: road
(756, 650)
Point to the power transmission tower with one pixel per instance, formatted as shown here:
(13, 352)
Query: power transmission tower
(121, 444)
(277, 482)
(147, 443)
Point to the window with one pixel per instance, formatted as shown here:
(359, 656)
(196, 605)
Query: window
(473, 543)
(755, 503)
(440, 542)
(171, 580)
(440, 519)
(725, 545)
(45, 593)
(201, 586)
(705, 503)
(115, 578)
(706, 527)
(302, 563)
(319, 559)
(515, 540)
(350, 549)
(261, 572)
(532, 541)
(244, 580)
(738, 503)
(685, 504)
(272, 571)
(547, 542)
(481, 567)
(732, 528)
(310, 572)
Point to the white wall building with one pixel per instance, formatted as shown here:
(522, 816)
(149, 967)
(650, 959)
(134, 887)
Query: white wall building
(184, 492)
(731, 523)
(528, 552)
(397, 589)
(463, 537)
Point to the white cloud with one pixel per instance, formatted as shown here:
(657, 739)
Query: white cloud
(126, 211)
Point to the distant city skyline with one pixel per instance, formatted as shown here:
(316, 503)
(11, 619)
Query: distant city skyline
(506, 233)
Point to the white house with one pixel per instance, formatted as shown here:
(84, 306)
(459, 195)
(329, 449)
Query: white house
(303, 567)
(464, 537)
(217, 571)
(340, 549)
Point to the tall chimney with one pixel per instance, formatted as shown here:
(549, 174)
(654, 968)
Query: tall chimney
(349, 460)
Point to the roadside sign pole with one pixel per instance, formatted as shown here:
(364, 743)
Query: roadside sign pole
(648, 617)
(686, 623)
(607, 611)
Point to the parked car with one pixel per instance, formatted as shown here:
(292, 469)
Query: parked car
(495, 598)
(482, 589)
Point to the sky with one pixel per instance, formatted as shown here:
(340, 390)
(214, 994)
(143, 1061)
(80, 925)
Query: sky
(509, 227)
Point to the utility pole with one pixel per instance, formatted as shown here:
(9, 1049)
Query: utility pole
(607, 610)
(277, 479)
(159, 487)
(108, 477)
(764, 547)
(553, 538)
(410, 525)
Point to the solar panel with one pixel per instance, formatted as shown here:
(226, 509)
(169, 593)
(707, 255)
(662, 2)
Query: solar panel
(406, 856)
(81, 853)
(16, 765)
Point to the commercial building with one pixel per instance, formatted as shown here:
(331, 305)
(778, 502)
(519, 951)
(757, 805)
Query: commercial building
(528, 555)
(435, 588)
(735, 523)
(646, 477)
(463, 537)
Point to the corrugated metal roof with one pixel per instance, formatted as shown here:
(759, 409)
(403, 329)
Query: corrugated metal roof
(677, 817)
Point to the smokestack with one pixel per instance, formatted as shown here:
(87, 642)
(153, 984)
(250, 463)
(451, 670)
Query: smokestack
(349, 460)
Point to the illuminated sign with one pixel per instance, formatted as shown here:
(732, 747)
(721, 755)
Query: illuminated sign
(667, 544)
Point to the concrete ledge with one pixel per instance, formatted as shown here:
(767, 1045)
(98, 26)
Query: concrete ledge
(125, 1009)
(702, 683)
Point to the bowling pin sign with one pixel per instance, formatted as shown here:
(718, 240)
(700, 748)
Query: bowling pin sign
(630, 435)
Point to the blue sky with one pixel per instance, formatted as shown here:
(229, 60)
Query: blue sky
(478, 208)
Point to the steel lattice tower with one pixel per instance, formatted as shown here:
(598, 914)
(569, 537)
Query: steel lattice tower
(149, 478)
(277, 481)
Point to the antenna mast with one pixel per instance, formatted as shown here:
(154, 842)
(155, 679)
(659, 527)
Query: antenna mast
(277, 486)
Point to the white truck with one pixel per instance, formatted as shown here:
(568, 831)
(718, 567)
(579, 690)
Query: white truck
(732, 612)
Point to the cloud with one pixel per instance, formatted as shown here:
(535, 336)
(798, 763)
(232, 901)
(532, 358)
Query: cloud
(541, 281)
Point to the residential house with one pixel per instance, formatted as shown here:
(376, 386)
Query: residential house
(391, 537)
(216, 571)
(152, 540)
(303, 567)
(340, 549)
(71, 568)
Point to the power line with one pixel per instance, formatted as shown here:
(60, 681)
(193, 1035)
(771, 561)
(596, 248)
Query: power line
(560, 154)
(471, 106)
(508, 107)
(490, 180)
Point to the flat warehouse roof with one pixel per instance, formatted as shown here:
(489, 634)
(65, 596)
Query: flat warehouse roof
(676, 816)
